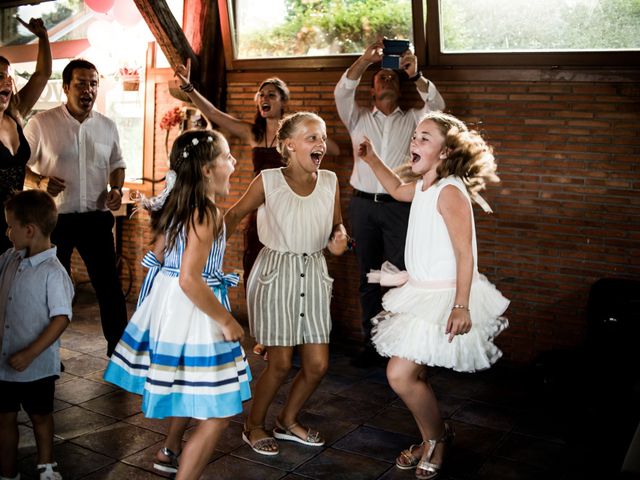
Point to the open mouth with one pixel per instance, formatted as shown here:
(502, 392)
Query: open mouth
(265, 107)
(86, 100)
(5, 94)
(317, 157)
(415, 158)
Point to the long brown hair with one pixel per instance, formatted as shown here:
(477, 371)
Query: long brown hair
(188, 203)
(259, 127)
(468, 155)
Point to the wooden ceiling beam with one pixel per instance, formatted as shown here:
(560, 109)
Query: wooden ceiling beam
(168, 33)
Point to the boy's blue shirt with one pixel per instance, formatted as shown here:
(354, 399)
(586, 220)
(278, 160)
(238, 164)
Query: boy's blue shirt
(32, 290)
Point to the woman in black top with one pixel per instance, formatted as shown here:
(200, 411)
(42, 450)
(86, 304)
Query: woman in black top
(14, 149)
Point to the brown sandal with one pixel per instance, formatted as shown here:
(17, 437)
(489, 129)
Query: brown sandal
(263, 445)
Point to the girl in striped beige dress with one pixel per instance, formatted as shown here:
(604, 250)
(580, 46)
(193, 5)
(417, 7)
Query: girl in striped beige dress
(289, 289)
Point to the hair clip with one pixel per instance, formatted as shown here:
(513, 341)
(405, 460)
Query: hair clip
(195, 141)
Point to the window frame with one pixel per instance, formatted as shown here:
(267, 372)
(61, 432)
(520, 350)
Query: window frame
(327, 62)
(504, 59)
(427, 46)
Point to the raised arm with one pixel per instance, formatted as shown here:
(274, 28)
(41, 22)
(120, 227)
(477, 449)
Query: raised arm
(456, 213)
(29, 94)
(391, 182)
(250, 201)
(194, 258)
(371, 55)
(237, 128)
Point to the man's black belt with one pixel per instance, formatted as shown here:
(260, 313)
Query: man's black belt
(376, 197)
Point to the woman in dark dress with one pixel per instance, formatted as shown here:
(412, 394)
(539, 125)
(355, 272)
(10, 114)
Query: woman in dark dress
(14, 149)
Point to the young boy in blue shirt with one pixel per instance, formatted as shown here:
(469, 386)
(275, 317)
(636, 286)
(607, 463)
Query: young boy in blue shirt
(35, 308)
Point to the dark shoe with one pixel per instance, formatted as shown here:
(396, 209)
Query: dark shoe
(170, 466)
(368, 358)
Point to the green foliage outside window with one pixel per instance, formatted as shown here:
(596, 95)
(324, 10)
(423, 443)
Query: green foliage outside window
(539, 25)
(328, 27)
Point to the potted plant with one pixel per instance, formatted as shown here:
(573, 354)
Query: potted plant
(130, 78)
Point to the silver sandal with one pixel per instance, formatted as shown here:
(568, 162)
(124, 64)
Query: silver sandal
(432, 470)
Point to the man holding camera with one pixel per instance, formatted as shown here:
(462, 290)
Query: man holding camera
(378, 221)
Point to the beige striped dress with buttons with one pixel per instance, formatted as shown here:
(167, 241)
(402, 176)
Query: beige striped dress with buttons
(289, 288)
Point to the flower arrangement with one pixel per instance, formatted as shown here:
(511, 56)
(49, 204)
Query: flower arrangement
(170, 119)
(129, 71)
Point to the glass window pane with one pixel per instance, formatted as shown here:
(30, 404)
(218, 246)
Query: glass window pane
(285, 28)
(64, 19)
(539, 25)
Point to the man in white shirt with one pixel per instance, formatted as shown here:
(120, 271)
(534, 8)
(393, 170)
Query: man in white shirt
(75, 154)
(378, 222)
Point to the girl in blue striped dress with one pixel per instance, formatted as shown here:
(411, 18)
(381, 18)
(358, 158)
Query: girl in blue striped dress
(181, 349)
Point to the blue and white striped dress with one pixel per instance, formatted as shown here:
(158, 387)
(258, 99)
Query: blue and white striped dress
(173, 354)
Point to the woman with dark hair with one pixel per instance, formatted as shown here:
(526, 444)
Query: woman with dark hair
(14, 105)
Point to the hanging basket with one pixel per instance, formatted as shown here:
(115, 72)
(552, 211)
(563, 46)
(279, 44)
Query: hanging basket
(130, 83)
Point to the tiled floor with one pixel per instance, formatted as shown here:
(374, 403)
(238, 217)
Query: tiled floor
(508, 426)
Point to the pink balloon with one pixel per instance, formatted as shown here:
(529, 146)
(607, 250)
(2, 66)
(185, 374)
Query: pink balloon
(100, 6)
(126, 13)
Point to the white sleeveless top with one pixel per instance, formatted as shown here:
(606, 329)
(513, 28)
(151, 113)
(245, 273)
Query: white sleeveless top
(428, 251)
(288, 222)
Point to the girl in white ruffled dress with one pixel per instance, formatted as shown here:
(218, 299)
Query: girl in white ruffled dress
(446, 314)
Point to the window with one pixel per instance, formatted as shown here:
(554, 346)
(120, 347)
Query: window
(117, 50)
(542, 25)
(555, 32)
(309, 29)
(60, 18)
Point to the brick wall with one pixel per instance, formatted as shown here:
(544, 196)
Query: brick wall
(566, 213)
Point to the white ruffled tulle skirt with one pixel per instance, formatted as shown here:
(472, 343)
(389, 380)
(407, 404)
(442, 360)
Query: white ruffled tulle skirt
(414, 321)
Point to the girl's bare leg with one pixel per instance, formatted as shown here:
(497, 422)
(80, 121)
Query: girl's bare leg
(199, 449)
(408, 380)
(173, 442)
(315, 362)
(265, 389)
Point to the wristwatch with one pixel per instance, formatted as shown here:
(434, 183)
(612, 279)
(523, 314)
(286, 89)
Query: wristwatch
(416, 76)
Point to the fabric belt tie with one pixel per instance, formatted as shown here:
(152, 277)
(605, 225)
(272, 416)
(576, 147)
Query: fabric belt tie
(391, 276)
(376, 197)
(214, 279)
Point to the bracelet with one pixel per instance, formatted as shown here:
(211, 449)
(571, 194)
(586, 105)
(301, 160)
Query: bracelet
(187, 87)
(462, 307)
(416, 76)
